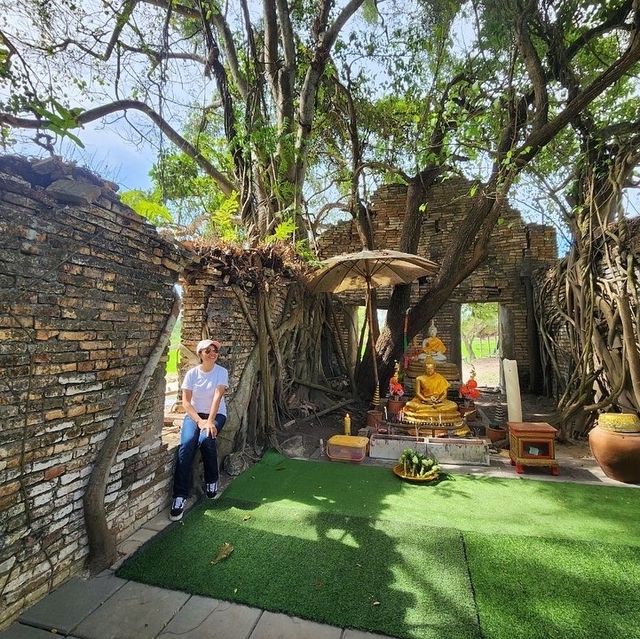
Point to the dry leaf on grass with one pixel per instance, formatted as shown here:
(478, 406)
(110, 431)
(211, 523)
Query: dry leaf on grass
(223, 552)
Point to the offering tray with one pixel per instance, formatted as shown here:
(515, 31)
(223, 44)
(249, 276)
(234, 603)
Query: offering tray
(398, 470)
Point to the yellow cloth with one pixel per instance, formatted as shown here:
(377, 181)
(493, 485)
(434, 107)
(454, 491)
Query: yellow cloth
(430, 401)
(431, 386)
(434, 345)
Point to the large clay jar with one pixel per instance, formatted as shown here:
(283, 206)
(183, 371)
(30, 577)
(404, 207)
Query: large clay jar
(617, 453)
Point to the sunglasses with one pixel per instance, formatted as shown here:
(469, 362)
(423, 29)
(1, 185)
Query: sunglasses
(209, 350)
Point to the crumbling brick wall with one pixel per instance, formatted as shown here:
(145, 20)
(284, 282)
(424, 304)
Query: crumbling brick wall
(514, 250)
(86, 287)
(213, 308)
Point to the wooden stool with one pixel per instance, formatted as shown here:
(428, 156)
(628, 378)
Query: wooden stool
(532, 444)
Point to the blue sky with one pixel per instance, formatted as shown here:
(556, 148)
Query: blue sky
(108, 152)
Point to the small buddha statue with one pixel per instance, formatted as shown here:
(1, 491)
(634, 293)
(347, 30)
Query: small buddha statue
(433, 346)
(430, 404)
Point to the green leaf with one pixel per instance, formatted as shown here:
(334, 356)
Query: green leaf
(148, 206)
(283, 231)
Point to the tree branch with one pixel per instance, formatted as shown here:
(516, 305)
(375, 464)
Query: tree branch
(91, 115)
(102, 549)
(607, 78)
(384, 166)
(223, 30)
(271, 46)
(615, 20)
(230, 52)
(534, 68)
(121, 22)
(308, 94)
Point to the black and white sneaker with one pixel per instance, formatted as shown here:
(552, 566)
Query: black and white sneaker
(177, 509)
(212, 490)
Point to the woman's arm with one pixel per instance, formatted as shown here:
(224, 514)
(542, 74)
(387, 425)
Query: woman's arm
(215, 405)
(190, 410)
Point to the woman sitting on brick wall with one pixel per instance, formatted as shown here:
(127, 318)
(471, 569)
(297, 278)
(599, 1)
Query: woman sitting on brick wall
(203, 391)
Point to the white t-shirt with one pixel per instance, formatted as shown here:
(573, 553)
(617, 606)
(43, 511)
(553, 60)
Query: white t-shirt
(203, 386)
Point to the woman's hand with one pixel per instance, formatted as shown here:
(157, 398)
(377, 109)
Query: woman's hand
(206, 426)
(210, 427)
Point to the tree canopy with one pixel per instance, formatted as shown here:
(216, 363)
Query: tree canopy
(273, 115)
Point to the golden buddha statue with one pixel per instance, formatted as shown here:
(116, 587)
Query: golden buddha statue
(432, 348)
(430, 405)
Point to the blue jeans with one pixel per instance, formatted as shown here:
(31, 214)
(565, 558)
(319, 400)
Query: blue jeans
(190, 438)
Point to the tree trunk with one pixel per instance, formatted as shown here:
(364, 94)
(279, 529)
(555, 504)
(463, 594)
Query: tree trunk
(102, 546)
(468, 342)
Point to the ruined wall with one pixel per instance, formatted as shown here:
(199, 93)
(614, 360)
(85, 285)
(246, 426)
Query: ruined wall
(514, 250)
(213, 308)
(86, 287)
(552, 315)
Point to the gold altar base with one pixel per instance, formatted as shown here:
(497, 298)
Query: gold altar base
(446, 420)
(433, 428)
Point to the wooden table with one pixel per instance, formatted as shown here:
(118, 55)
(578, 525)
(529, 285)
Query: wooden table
(532, 444)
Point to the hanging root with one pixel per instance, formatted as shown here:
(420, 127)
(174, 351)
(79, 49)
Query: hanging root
(588, 320)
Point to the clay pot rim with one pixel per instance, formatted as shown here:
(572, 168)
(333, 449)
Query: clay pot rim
(619, 433)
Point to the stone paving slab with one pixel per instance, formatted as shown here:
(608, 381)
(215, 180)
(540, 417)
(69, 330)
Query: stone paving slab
(278, 626)
(67, 606)
(126, 548)
(159, 522)
(204, 618)
(359, 634)
(19, 631)
(142, 535)
(135, 611)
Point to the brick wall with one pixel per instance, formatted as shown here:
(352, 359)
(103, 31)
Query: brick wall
(86, 287)
(515, 247)
(212, 309)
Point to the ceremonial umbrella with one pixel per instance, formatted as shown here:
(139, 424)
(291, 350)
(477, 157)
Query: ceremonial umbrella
(370, 269)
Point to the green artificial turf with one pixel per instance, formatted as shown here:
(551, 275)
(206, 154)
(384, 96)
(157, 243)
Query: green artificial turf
(467, 557)
(554, 589)
(384, 576)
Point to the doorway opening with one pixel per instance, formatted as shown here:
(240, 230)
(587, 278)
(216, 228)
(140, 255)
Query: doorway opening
(479, 340)
(362, 326)
(172, 378)
(172, 382)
